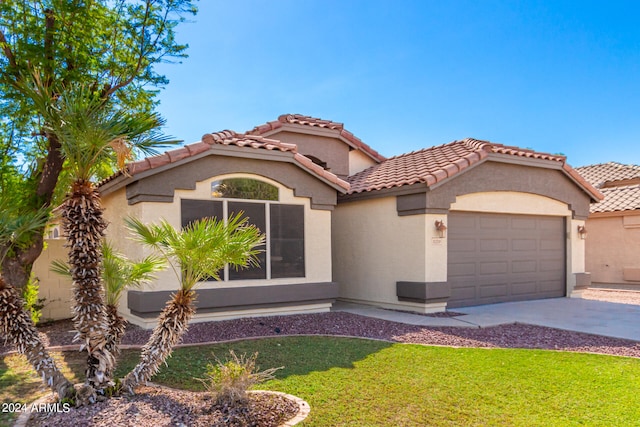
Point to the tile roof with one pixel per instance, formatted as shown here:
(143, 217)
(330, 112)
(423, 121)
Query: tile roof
(299, 119)
(621, 198)
(432, 165)
(618, 182)
(606, 174)
(227, 138)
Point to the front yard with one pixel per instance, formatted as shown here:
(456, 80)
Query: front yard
(357, 382)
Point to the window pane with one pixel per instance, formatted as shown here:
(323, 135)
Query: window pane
(244, 188)
(193, 210)
(287, 241)
(256, 214)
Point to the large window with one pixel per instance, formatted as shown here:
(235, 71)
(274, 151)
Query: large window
(283, 224)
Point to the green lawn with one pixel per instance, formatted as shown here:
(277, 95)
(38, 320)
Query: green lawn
(352, 382)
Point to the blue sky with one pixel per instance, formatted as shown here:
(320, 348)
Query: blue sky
(555, 76)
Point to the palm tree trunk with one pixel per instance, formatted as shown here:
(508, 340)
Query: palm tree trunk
(84, 227)
(16, 324)
(117, 328)
(173, 322)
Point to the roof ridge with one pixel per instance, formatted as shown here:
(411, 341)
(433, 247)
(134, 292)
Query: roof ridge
(302, 120)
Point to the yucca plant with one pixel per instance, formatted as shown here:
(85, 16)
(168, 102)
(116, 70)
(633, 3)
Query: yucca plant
(195, 253)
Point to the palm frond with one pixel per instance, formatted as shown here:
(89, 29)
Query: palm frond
(203, 248)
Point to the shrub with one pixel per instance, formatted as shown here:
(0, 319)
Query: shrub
(229, 381)
(32, 302)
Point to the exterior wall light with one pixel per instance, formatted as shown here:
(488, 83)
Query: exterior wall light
(582, 232)
(441, 229)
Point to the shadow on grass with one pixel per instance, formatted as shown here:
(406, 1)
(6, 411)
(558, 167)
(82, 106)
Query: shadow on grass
(298, 355)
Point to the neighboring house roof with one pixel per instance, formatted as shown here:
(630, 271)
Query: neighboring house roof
(610, 174)
(433, 165)
(313, 122)
(227, 138)
(622, 198)
(619, 183)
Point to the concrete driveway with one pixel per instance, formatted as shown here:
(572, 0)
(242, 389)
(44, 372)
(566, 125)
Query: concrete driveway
(573, 314)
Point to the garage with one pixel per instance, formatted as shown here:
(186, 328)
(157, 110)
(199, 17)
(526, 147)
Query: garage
(496, 257)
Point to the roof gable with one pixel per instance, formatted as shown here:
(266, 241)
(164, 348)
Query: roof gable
(226, 138)
(307, 123)
(431, 166)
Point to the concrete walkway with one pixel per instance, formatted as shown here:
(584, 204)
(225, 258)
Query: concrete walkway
(573, 314)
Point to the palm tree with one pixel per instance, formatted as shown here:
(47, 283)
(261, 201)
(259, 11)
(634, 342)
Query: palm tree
(15, 322)
(91, 131)
(118, 274)
(197, 252)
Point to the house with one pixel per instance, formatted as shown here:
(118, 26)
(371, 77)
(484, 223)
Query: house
(613, 225)
(466, 223)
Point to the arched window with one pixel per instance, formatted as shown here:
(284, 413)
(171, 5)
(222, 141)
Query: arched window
(243, 188)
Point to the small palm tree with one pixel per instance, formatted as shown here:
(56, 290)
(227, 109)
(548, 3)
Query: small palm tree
(118, 274)
(197, 252)
(15, 322)
(91, 132)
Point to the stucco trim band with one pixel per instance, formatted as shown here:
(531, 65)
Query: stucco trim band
(423, 292)
(149, 304)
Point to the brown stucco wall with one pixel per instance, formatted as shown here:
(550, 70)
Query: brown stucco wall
(498, 176)
(330, 150)
(613, 248)
(160, 187)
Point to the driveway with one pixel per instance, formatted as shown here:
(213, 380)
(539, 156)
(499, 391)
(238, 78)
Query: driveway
(573, 314)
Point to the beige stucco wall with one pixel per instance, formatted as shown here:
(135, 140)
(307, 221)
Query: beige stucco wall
(531, 204)
(317, 240)
(613, 245)
(55, 289)
(358, 161)
(374, 248)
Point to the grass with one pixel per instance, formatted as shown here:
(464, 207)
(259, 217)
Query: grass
(352, 382)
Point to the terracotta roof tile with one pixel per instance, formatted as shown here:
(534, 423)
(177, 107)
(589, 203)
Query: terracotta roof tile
(607, 174)
(435, 164)
(617, 182)
(299, 119)
(622, 198)
(227, 138)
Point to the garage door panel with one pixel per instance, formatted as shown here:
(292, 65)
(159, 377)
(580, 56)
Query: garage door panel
(492, 223)
(500, 257)
(523, 223)
(549, 244)
(551, 287)
(524, 244)
(552, 265)
(524, 288)
(500, 267)
(494, 245)
(525, 266)
(462, 245)
(493, 291)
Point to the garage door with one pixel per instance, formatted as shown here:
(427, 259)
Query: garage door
(499, 258)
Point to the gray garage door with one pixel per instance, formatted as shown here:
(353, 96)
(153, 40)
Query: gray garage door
(499, 258)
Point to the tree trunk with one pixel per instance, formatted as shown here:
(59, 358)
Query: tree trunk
(172, 324)
(17, 325)
(84, 227)
(117, 328)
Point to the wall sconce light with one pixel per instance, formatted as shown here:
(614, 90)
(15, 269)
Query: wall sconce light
(582, 232)
(441, 229)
